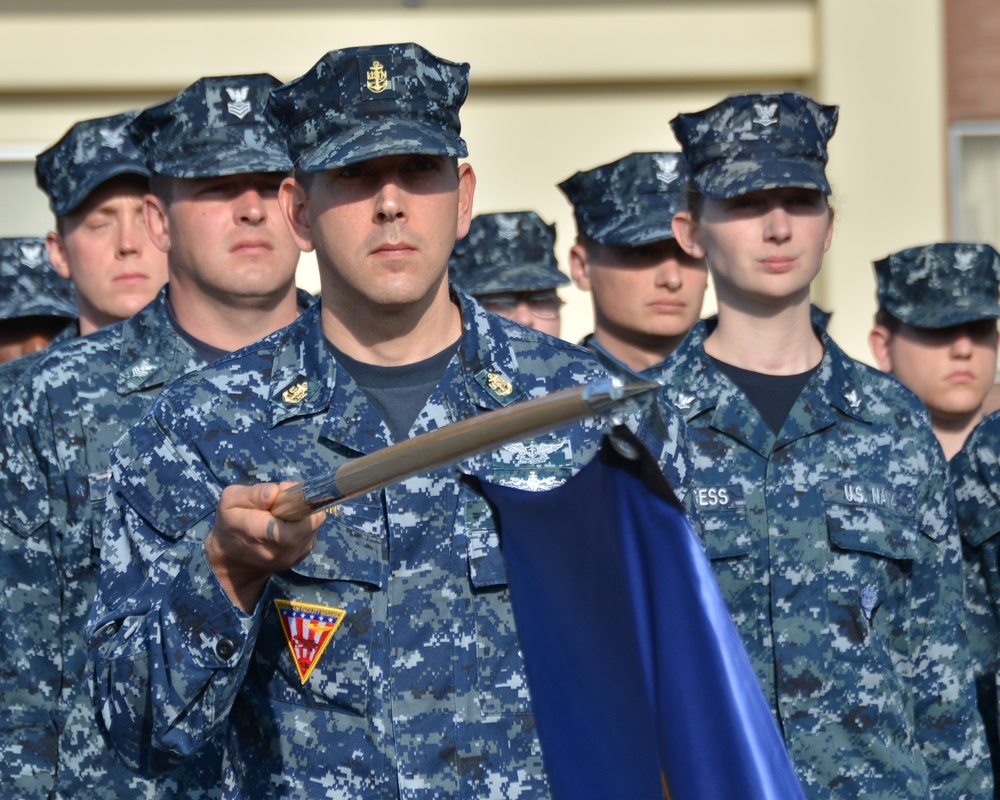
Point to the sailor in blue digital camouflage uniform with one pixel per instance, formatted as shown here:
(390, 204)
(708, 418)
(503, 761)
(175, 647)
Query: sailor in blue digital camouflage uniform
(95, 177)
(217, 163)
(646, 291)
(368, 652)
(821, 491)
(936, 331)
(36, 304)
(508, 263)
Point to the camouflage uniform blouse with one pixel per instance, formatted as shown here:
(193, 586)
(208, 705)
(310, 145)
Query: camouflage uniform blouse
(835, 548)
(58, 429)
(411, 685)
(975, 474)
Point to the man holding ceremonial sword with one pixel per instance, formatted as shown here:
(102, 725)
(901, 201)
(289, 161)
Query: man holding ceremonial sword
(369, 651)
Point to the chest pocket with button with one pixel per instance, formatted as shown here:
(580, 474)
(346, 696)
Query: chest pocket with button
(343, 573)
(874, 542)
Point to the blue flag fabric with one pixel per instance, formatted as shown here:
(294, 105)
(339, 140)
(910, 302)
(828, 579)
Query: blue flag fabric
(640, 684)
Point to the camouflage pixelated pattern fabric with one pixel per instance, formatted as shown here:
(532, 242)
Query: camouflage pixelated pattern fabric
(631, 201)
(90, 153)
(420, 692)
(512, 252)
(367, 102)
(751, 142)
(58, 426)
(29, 286)
(835, 547)
(975, 474)
(939, 285)
(216, 126)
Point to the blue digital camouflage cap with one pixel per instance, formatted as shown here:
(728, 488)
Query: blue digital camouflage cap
(512, 252)
(368, 102)
(216, 126)
(940, 285)
(90, 153)
(751, 142)
(630, 201)
(29, 287)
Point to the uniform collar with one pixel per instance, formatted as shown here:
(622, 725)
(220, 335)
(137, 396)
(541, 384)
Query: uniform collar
(152, 353)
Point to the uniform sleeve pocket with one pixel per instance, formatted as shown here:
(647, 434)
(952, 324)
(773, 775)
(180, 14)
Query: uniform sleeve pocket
(167, 491)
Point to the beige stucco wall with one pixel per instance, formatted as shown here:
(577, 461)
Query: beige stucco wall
(556, 87)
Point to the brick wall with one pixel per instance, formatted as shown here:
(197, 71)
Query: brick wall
(972, 55)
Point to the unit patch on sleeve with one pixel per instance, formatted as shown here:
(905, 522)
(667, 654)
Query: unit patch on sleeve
(308, 630)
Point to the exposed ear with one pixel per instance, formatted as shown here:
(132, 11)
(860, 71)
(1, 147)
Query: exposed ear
(579, 267)
(57, 254)
(829, 233)
(154, 212)
(293, 202)
(879, 341)
(466, 191)
(685, 232)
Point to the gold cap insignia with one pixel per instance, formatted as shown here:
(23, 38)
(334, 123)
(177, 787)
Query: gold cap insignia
(499, 384)
(296, 393)
(378, 80)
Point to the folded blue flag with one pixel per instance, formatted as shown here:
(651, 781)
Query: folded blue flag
(640, 684)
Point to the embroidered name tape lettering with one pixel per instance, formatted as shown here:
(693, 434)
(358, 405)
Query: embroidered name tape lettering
(710, 498)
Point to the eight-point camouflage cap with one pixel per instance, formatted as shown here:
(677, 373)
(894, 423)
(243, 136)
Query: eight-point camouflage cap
(29, 287)
(512, 252)
(630, 201)
(90, 153)
(367, 102)
(751, 142)
(939, 285)
(214, 127)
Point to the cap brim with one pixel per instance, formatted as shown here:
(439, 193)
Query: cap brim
(227, 161)
(633, 232)
(513, 279)
(948, 316)
(93, 182)
(387, 137)
(724, 179)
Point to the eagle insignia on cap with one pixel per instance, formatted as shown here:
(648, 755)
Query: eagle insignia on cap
(378, 79)
(113, 138)
(31, 255)
(507, 228)
(238, 105)
(765, 114)
(666, 169)
(964, 259)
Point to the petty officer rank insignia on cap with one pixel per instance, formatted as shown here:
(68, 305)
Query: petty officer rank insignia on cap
(308, 630)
